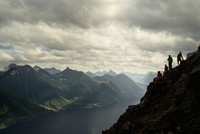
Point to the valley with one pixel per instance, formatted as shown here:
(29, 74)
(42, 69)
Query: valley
(90, 121)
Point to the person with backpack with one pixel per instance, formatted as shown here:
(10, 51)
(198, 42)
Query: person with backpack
(179, 58)
(170, 60)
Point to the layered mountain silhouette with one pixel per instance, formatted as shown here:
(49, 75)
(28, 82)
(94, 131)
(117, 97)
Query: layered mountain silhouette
(52, 70)
(124, 85)
(27, 92)
(101, 73)
(144, 79)
(32, 85)
(171, 104)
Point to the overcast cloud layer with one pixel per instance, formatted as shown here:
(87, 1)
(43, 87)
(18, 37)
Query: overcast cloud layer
(92, 35)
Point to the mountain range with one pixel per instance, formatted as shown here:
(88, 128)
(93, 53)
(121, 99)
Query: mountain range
(123, 83)
(52, 70)
(100, 73)
(27, 92)
(142, 79)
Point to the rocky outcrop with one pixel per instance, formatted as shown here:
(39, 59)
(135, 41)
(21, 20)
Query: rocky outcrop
(171, 104)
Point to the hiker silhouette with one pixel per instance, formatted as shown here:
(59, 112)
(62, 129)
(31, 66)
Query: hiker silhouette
(159, 74)
(179, 58)
(170, 60)
(165, 70)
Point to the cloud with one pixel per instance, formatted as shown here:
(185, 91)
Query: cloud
(65, 13)
(5, 45)
(123, 35)
(179, 17)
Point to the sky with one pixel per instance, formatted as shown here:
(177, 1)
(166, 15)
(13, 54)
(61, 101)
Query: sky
(94, 35)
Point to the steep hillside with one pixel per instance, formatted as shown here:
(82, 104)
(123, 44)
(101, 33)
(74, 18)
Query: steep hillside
(126, 88)
(33, 86)
(1, 73)
(171, 104)
(13, 109)
(89, 92)
(69, 76)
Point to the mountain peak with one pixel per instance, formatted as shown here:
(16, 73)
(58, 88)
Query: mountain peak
(16, 70)
(52, 70)
(36, 68)
(121, 75)
(67, 68)
(170, 105)
(112, 73)
(12, 65)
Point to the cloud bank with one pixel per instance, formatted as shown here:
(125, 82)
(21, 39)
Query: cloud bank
(122, 35)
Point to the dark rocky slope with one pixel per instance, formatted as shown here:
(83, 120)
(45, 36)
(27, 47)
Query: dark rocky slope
(171, 104)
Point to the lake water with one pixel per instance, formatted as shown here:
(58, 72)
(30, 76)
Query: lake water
(73, 122)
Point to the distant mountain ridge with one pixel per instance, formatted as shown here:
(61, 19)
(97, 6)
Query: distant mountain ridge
(52, 70)
(100, 73)
(125, 86)
(141, 78)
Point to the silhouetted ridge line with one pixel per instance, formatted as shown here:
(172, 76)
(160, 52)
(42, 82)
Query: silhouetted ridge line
(170, 105)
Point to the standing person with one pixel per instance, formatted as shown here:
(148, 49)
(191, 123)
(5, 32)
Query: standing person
(165, 70)
(179, 58)
(166, 67)
(170, 60)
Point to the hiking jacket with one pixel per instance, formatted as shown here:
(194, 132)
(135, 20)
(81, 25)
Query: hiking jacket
(170, 59)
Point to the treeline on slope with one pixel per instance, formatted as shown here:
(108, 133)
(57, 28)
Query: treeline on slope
(27, 92)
